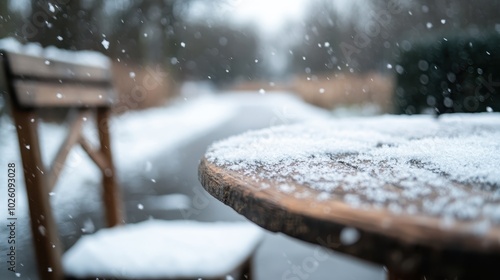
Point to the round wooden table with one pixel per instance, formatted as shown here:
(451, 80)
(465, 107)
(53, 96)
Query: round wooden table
(419, 195)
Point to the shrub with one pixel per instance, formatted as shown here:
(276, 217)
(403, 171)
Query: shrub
(446, 74)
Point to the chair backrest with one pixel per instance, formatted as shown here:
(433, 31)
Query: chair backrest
(34, 84)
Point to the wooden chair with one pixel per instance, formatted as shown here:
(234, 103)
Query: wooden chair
(35, 84)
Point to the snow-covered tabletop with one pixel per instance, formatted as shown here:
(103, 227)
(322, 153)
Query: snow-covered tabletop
(409, 192)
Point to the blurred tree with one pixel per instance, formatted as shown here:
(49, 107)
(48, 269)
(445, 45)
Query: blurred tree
(344, 40)
(141, 30)
(215, 52)
(364, 36)
(131, 31)
(70, 25)
(9, 19)
(448, 63)
(319, 50)
(146, 32)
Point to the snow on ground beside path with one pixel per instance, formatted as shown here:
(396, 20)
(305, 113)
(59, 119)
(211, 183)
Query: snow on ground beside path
(284, 107)
(141, 137)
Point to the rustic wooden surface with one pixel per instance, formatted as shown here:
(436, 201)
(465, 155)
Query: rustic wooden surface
(43, 94)
(408, 245)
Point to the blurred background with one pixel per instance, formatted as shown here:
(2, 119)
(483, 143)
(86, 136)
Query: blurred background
(331, 53)
(226, 66)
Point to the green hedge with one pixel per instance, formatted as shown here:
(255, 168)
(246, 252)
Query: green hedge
(446, 74)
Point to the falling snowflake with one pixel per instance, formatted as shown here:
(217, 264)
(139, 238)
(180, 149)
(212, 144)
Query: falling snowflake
(105, 43)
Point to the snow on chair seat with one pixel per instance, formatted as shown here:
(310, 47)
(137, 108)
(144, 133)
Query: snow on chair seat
(158, 249)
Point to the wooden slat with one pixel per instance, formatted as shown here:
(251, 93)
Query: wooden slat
(42, 68)
(40, 94)
(71, 139)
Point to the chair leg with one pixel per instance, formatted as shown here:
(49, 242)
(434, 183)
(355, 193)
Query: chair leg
(111, 192)
(246, 271)
(48, 249)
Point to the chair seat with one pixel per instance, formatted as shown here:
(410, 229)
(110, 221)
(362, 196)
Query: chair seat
(163, 249)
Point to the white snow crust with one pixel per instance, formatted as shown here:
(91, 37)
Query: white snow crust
(408, 164)
(159, 249)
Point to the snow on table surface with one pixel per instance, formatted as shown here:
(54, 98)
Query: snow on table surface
(447, 166)
(159, 249)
